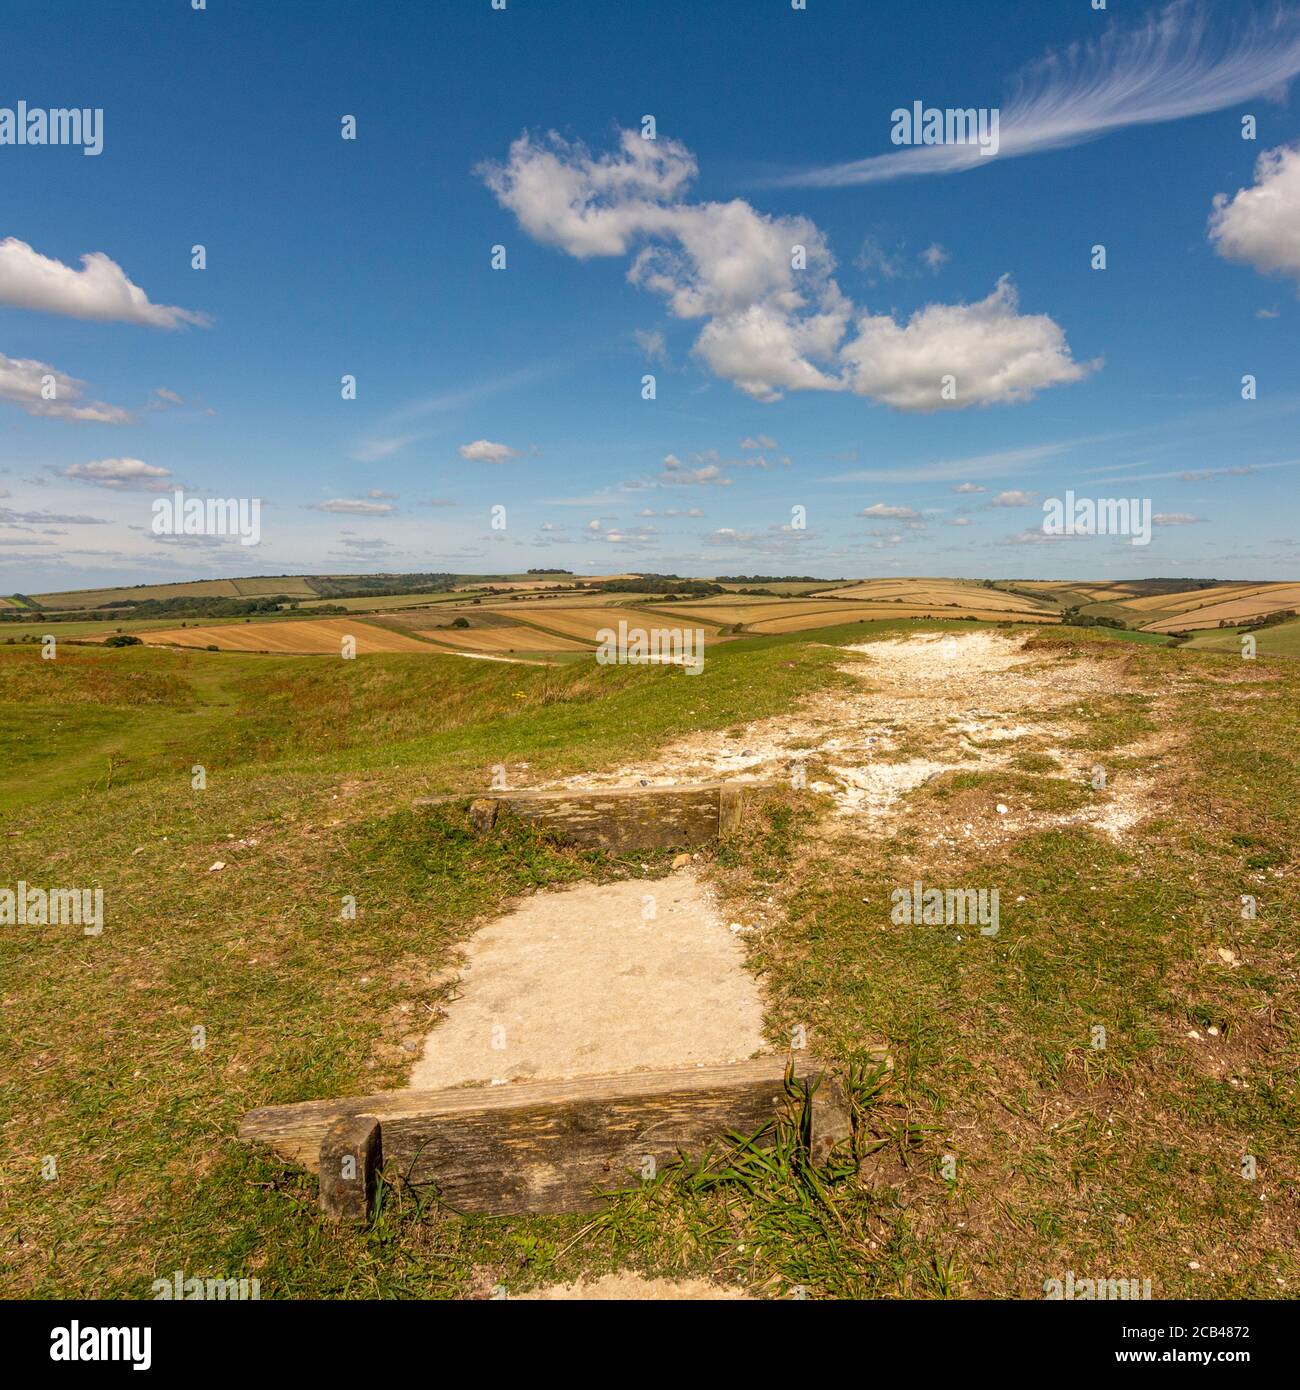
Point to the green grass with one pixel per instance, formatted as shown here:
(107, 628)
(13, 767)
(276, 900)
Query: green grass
(1282, 640)
(1122, 1159)
(1070, 1156)
(316, 761)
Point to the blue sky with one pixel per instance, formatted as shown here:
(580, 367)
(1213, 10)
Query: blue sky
(775, 387)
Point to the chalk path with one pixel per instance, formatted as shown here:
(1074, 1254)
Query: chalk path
(594, 981)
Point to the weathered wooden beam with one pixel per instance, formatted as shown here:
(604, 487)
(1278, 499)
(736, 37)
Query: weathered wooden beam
(483, 814)
(617, 818)
(556, 1146)
(351, 1154)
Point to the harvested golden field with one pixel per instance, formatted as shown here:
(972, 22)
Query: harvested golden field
(586, 622)
(1191, 598)
(1236, 609)
(513, 638)
(937, 591)
(794, 587)
(855, 613)
(720, 612)
(1106, 593)
(1164, 605)
(324, 636)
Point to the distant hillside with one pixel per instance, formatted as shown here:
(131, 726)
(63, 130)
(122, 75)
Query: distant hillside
(293, 586)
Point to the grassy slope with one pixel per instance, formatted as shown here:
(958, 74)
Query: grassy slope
(312, 764)
(295, 1001)
(1282, 640)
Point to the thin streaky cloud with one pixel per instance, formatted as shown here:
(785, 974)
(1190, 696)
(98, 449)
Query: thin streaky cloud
(1197, 475)
(1173, 66)
(395, 433)
(945, 470)
(471, 395)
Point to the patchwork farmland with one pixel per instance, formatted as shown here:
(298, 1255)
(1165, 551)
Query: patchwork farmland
(560, 619)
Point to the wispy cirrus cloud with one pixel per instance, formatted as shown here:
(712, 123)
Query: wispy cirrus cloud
(995, 465)
(17, 519)
(1178, 63)
(377, 450)
(405, 426)
(354, 506)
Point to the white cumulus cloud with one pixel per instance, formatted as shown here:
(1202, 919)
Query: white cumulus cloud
(1260, 225)
(99, 291)
(773, 318)
(484, 451)
(120, 474)
(881, 510)
(677, 474)
(43, 390)
(993, 353)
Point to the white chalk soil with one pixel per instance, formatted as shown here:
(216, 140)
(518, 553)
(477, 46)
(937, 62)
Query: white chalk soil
(646, 974)
(625, 1286)
(925, 705)
(594, 981)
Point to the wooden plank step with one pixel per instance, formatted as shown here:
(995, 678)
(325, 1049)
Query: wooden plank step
(617, 818)
(556, 1146)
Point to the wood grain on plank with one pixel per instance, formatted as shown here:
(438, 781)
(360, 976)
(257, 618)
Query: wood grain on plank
(617, 818)
(555, 1146)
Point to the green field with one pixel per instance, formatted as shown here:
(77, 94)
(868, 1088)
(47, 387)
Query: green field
(294, 586)
(1125, 1160)
(1282, 640)
(382, 604)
